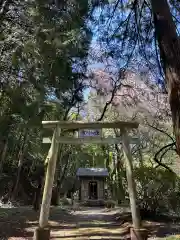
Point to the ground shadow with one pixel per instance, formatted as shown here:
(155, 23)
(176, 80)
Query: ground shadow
(159, 226)
(14, 222)
(82, 224)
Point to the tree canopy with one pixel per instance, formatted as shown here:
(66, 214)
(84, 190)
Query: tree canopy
(91, 61)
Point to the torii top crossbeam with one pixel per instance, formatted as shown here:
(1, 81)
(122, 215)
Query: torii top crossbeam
(90, 125)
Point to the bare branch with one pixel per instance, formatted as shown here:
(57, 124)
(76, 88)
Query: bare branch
(159, 162)
(162, 131)
(107, 104)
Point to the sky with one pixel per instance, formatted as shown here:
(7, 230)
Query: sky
(86, 94)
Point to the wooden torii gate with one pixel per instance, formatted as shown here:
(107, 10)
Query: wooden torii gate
(43, 231)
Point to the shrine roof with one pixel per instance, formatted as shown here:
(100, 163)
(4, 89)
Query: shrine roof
(93, 172)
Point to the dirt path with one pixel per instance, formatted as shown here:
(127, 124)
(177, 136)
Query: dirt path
(92, 223)
(87, 223)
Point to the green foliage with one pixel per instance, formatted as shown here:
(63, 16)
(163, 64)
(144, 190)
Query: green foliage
(158, 191)
(44, 50)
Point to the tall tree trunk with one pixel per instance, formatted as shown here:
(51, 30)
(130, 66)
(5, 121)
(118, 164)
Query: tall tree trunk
(59, 182)
(3, 155)
(120, 190)
(60, 153)
(119, 173)
(169, 46)
(37, 195)
(20, 164)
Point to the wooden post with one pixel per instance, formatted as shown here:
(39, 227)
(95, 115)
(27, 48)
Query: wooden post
(46, 200)
(131, 183)
(42, 232)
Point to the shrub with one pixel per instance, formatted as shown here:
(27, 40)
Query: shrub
(65, 201)
(158, 191)
(110, 204)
